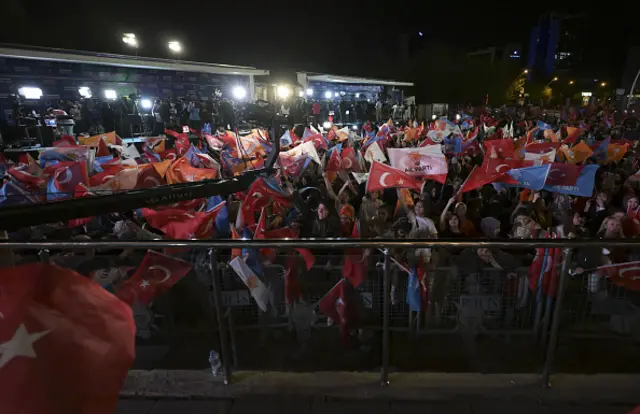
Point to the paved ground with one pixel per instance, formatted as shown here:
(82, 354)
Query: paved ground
(195, 392)
(271, 406)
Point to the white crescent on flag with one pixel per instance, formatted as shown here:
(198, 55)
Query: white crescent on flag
(382, 178)
(167, 272)
(498, 168)
(68, 176)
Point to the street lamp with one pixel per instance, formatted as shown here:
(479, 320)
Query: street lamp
(603, 84)
(526, 71)
(130, 39)
(571, 82)
(283, 91)
(551, 81)
(175, 46)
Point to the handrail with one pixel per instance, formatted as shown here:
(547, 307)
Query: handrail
(322, 243)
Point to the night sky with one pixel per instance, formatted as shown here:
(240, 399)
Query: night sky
(335, 37)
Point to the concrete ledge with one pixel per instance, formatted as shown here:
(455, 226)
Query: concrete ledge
(566, 389)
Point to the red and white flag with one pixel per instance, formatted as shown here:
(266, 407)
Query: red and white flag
(338, 305)
(66, 344)
(180, 224)
(156, 275)
(427, 162)
(382, 176)
(626, 274)
(492, 169)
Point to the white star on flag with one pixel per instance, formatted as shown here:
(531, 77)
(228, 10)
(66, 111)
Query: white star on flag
(144, 284)
(400, 181)
(20, 345)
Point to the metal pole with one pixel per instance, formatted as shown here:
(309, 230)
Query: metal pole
(222, 323)
(555, 324)
(384, 373)
(633, 88)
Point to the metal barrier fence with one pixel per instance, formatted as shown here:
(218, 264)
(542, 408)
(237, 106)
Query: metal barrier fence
(487, 312)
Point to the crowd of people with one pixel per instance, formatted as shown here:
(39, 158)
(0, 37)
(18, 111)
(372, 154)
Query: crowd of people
(338, 183)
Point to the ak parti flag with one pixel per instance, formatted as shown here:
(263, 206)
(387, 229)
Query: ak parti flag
(573, 134)
(66, 344)
(576, 154)
(156, 275)
(258, 290)
(382, 176)
(181, 171)
(94, 141)
(615, 152)
(426, 162)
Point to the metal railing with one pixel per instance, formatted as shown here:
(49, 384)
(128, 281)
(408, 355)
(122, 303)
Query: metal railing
(543, 322)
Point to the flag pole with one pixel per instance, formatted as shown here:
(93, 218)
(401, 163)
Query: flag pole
(458, 193)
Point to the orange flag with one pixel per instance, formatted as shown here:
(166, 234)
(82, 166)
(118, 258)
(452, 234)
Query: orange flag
(615, 152)
(94, 141)
(576, 154)
(182, 172)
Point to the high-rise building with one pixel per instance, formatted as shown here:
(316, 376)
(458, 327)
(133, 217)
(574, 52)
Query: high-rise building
(556, 44)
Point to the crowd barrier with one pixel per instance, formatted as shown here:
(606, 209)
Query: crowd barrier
(473, 319)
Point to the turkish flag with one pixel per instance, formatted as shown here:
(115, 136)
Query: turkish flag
(156, 275)
(335, 162)
(260, 194)
(542, 147)
(350, 160)
(626, 274)
(29, 181)
(339, 305)
(491, 170)
(66, 344)
(355, 264)
(563, 174)
(103, 177)
(170, 154)
(293, 166)
(382, 176)
(148, 177)
(65, 178)
(181, 224)
(318, 141)
(502, 148)
(288, 233)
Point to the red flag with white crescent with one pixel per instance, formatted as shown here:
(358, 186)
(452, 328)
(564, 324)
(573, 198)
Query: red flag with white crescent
(156, 275)
(382, 176)
(626, 274)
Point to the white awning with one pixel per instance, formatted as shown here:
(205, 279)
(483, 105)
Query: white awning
(56, 55)
(318, 77)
